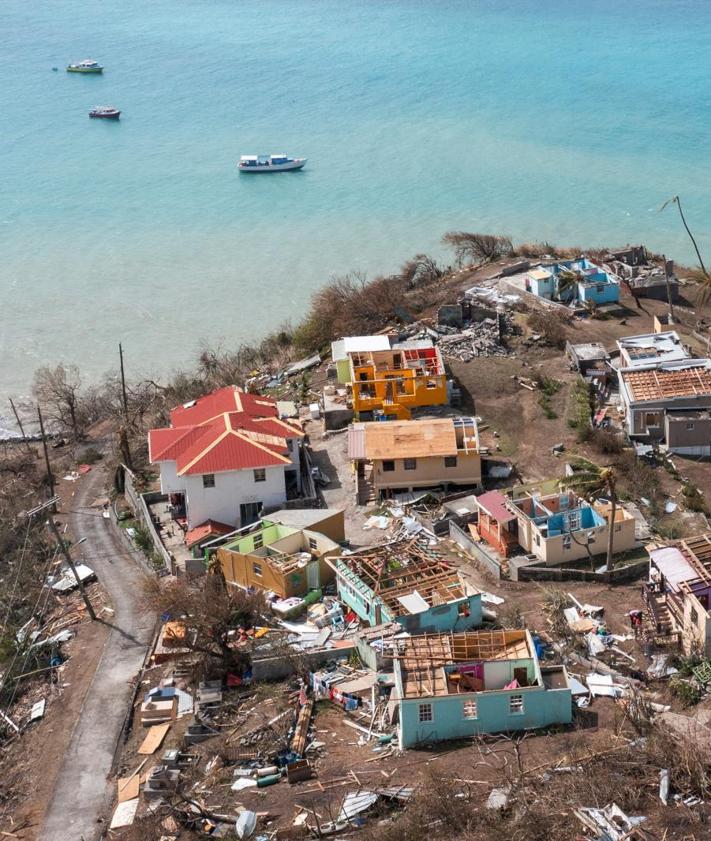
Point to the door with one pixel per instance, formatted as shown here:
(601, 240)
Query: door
(521, 675)
(249, 513)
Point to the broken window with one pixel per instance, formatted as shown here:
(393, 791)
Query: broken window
(566, 541)
(450, 461)
(694, 616)
(313, 544)
(651, 419)
(388, 466)
(208, 480)
(410, 464)
(469, 709)
(260, 474)
(515, 704)
(463, 608)
(689, 424)
(257, 569)
(431, 384)
(425, 713)
(258, 540)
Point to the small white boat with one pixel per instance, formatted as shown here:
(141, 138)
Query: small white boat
(269, 163)
(86, 66)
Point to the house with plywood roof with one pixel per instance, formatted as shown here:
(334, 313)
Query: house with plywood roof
(406, 455)
(226, 457)
(458, 685)
(669, 403)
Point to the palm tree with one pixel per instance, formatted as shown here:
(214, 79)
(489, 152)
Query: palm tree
(677, 201)
(591, 482)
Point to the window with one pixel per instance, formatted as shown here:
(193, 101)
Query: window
(600, 288)
(538, 540)
(260, 475)
(410, 464)
(431, 384)
(694, 616)
(469, 709)
(618, 527)
(425, 713)
(463, 608)
(689, 424)
(388, 466)
(515, 704)
(208, 480)
(566, 541)
(591, 538)
(313, 544)
(258, 540)
(651, 419)
(450, 461)
(257, 569)
(290, 445)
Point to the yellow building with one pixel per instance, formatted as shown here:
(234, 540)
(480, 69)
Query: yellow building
(392, 379)
(405, 455)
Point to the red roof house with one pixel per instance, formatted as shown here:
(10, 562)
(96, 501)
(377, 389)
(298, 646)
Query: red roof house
(228, 455)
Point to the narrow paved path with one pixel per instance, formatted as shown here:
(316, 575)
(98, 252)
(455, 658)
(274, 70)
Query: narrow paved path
(82, 792)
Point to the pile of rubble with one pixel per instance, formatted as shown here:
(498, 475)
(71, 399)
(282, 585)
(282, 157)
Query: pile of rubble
(482, 338)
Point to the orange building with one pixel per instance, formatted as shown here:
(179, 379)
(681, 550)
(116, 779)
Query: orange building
(396, 380)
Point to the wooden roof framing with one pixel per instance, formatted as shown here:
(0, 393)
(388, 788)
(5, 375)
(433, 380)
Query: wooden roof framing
(666, 384)
(398, 568)
(424, 657)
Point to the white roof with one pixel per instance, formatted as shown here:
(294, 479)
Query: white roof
(248, 157)
(413, 602)
(280, 155)
(648, 347)
(363, 344)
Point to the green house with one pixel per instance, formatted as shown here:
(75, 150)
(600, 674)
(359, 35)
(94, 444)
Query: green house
(451, 686)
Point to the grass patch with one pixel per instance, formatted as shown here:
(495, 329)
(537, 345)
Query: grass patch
(580, 409)
(548, 388)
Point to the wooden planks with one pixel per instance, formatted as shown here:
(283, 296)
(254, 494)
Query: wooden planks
(154, 738)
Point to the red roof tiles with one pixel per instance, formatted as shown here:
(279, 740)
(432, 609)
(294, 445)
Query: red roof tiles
(246, 435)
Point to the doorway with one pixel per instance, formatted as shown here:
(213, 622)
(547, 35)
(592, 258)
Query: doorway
(249, 513)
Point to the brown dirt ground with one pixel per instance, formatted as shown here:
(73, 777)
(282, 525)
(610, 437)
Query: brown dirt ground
(34, 759)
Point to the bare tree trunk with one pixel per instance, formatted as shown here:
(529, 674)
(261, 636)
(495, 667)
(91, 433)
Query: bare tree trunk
(691, 236)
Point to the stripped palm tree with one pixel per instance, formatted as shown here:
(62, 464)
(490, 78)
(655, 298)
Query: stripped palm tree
(566, 280)
(592, 482)
(677, 201)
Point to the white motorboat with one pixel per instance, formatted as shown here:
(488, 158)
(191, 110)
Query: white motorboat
(269, 163)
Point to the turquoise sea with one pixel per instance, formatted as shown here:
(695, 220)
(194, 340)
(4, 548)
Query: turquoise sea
(553, 120)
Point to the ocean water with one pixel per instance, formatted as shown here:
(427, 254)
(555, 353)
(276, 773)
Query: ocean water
(553, 120)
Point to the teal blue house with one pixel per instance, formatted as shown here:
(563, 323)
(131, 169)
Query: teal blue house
(452, 686)
(408, 582)
(573, 279)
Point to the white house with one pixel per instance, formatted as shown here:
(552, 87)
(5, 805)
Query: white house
(226, 457)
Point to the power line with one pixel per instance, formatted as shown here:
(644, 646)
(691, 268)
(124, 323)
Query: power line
(17, 577)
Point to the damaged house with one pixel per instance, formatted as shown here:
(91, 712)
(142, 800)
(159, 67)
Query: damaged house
(457, 685)
(669, 403)
(405, 455)
(651, 348)
(408, 582)
(226, 457)
(573, 280)
(390, 379)
(278, 558)
(678, 595)
(557, 528)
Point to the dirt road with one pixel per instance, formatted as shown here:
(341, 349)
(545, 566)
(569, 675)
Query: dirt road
(82, 792)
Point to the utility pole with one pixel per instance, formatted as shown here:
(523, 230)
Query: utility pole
(123, 431)
(19, 423)
(668, 272)
(50, 477)
(68, 558)
(123, 385)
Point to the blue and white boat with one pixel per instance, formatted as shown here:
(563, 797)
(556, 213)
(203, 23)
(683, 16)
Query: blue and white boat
(269, 163)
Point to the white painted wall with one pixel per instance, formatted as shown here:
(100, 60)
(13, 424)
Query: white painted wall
(232, 488)
(170, 482)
